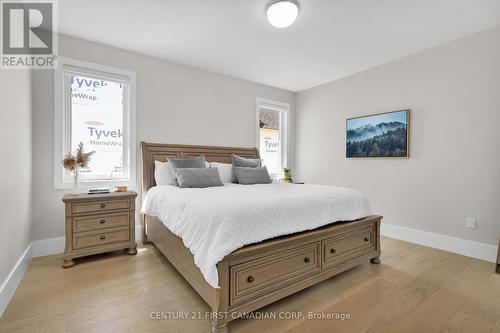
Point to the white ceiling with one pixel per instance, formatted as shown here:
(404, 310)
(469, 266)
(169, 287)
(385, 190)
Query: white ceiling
(329, 40)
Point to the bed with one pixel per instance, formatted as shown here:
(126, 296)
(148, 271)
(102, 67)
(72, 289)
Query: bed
(245, 278)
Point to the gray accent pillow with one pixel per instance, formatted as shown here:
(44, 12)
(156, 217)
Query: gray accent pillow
(239, 161)
(250, 176)
(198, 177)
(178, 163)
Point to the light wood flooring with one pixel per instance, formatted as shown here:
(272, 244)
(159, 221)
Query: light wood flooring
(414, 289)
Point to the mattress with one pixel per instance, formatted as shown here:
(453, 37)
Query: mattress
(213, 222)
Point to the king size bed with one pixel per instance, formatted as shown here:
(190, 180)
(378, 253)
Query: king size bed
(242, 247)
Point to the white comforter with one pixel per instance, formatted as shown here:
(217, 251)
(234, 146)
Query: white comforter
(216, 221)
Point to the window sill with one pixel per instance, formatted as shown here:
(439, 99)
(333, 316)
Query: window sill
(85, 185)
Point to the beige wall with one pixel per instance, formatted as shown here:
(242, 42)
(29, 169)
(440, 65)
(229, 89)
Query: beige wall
(175, 104)
(15, 175)
(454, 170)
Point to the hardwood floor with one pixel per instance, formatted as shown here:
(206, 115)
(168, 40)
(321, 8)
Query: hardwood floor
(414, 289)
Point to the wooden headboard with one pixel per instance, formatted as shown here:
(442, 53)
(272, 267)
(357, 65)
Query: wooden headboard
(152, 152)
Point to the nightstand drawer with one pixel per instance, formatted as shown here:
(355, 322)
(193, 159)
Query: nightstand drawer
(83, 240)
(99, 206)
(97, 222)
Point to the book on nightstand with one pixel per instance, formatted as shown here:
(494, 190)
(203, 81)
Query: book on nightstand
(100, 190)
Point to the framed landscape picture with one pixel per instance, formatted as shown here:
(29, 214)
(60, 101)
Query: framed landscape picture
(379, 135)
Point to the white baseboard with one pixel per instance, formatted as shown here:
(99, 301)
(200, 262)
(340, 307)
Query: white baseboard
(10, 284)
(47, 247)
(464, 247)
(138, 232)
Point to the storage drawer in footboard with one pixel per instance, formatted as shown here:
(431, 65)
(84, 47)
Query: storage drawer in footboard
(261, 276)
(348, 246)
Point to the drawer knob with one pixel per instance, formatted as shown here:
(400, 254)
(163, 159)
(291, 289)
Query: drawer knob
(103, 236)
(103, 205)
(102, 221)
(333, 250)
(307, 259)
(250, 279)
(367, 239)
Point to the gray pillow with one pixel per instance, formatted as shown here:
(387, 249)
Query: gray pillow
(198, 177)
(250, 176)
(177, 163)
(239, 161)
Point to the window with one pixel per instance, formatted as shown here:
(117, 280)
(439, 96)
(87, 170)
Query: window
(95, 105)
(272, 133)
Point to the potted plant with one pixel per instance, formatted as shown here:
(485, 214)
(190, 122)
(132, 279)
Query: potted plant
(287, 175)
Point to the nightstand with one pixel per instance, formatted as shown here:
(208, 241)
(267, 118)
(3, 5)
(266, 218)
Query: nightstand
(97, 223)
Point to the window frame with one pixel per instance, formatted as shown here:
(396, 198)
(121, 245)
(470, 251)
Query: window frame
(62, 122)
(284, 109)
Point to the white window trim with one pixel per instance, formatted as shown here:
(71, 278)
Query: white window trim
(60, 122)
(284, 134)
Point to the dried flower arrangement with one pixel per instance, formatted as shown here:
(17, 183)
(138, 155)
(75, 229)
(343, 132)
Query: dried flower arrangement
(74, 162)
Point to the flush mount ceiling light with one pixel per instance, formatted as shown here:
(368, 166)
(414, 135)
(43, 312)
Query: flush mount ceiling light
(282, 14)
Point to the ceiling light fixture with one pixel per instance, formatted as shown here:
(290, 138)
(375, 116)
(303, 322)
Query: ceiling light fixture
(283, 13)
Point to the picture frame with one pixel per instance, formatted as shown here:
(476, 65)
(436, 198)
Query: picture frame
(379, 135)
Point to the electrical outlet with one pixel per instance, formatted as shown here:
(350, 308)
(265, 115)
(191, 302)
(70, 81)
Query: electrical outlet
(470, 223)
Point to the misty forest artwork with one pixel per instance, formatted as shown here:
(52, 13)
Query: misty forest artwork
(381, 135)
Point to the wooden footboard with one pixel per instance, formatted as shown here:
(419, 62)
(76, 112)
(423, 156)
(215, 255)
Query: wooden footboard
(259, 274)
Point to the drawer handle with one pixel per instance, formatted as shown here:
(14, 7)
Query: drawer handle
(333, 250)
(307, 259)
(102, 221)
(103, 205)
(250, 279)
(367, 239)
(103, 236)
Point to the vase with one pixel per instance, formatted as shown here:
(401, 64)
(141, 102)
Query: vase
(76, 182)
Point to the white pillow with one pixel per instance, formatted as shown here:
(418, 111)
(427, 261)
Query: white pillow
(163, 176)
(225, 171)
